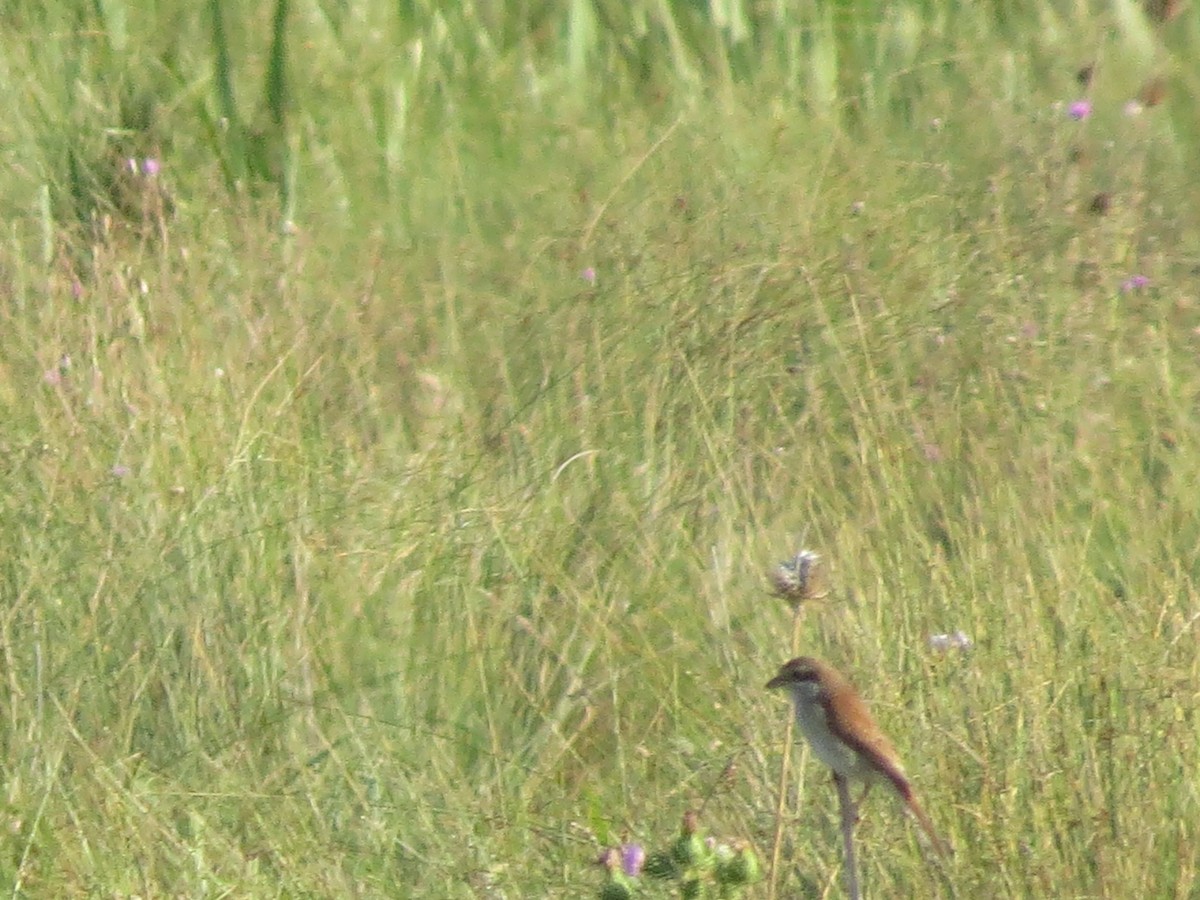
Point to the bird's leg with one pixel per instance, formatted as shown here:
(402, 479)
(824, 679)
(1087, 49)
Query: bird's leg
(849, 817)
(843, 785)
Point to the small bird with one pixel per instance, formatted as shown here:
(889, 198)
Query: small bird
(844, 735)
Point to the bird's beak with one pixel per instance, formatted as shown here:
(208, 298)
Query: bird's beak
(777, 682)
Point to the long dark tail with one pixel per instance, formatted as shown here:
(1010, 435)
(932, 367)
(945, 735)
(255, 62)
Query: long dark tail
(906, 794)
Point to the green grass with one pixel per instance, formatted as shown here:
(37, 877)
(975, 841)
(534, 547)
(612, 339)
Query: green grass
(356, 544)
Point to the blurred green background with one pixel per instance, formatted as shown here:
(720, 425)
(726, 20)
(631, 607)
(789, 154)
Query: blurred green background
(404, 402)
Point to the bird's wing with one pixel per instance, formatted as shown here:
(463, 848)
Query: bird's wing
(870, 742)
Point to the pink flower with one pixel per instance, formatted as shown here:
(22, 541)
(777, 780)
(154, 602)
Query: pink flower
(1080, 110)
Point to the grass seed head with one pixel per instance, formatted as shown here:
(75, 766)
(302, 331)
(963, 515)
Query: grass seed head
(800, 578)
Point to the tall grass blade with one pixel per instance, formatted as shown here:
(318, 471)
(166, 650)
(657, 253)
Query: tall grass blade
(229, 131)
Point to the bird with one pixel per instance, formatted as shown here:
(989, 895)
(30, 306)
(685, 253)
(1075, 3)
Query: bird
(843, 734)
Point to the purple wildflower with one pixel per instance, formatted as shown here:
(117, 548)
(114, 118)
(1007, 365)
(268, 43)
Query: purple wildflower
(633, 857)
(119, 471)
(1134, 283)
(151, 166)
(589, 275)
(1080, 110)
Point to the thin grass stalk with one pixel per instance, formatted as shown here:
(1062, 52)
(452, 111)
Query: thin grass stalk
(784, 772)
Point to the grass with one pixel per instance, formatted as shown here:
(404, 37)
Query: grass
(357, 544)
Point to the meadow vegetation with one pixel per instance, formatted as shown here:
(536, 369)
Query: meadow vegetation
(403, 404)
